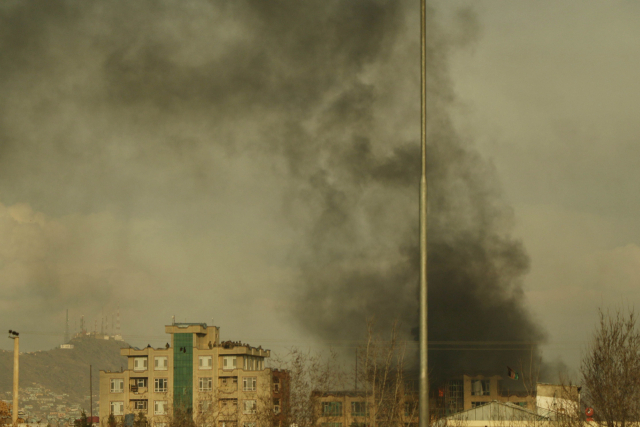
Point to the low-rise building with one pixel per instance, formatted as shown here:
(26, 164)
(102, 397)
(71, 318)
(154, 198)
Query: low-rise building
(350, 408)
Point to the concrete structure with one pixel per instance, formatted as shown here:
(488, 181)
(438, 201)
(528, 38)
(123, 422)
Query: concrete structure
(558, 398)
(218, 384)
(355, 408)
(470, 391)
(495, 413)
(480, 389)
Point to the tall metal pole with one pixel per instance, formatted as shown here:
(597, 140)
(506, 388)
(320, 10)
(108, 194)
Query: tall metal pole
(424, 378)
(16, 354)
(90, 396)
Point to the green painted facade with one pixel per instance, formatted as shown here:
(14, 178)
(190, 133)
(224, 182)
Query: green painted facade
(183, 371)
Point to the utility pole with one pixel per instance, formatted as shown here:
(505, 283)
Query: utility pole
(16, 353)
(424, 379)
(356, 369)
(91, 395)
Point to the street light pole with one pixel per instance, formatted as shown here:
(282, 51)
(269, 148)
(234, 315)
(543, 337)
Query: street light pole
(424, 378)
(16, 353)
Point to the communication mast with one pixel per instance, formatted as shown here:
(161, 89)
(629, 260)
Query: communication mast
(66, 329)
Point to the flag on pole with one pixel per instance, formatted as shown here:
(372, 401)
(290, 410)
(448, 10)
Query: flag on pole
(512, 374)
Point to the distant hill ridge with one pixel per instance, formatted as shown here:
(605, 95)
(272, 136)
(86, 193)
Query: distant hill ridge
(65, 370)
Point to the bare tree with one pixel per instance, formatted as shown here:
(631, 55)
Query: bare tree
(390, 401)
(308, 374)
(611, 369)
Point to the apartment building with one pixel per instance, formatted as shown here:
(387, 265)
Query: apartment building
(218, 384)
(357, 409)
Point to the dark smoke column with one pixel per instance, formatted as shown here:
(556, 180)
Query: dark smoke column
(361, 254)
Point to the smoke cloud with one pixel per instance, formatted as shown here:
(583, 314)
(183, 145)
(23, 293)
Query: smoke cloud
(248, 157)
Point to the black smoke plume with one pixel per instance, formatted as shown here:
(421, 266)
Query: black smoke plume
(138, 108)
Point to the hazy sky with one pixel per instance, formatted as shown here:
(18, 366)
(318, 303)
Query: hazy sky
(134, 169)
(549, 94)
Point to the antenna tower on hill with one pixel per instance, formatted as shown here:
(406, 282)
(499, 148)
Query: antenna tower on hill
(66, 329)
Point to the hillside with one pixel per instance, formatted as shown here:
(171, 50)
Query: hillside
(65, 370)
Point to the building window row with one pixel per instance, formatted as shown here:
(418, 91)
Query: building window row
(253, 363)
(160, 384)
(160, 363)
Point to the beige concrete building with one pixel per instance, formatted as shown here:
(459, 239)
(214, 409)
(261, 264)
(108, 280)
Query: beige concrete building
(480, 390)
(564, 399)
(218, 384)
(470, 391)
(356, 409)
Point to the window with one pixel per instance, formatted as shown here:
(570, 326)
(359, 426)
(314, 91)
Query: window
(252, 363)
(331, 408)
(229, 381)
(249, 406)
(476, 404)
(229, 362)
(161, 385)
(248, 424)
(249, 383)
(117, 408)
(276, 388)
(141, 382)
(139, 363)
(161, 363)
(160, 407)
(204, 405)
(117, 385)
(480, 387)
(205, 384)
(205, 362)
(359, 409)
(276, 406)
(140, 404)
